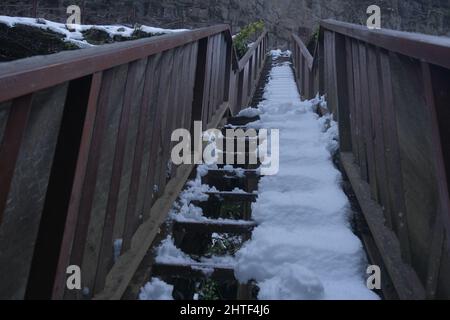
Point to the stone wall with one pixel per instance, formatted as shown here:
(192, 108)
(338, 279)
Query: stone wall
(281, 16)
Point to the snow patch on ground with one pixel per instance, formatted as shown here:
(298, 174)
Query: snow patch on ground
(249, 113)
(168, 253)
(278, 53)
(75, 35)
(304, 247)
(156, 290)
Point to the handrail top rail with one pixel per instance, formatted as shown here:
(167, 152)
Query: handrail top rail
(428, 48)
(24, 76)
(369, 35)
(309, 58)
(431, 49)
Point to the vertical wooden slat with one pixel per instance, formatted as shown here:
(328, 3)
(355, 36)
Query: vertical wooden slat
(367, 119)
(359, 111)
(200, 86)
(10, 146)
(132, 211)
(378, 130)
(106, 245)
(223, 69)
(154, 138)
(351, 96)
(193, 81)
(228, 70)
(321, 65)
(157, 170)
(392, 154)
(217, 66)
(167, 105)
(212, 90)
(207, 90)
(213, 79)
(83, 174)
(343, 98)
(437, 144)
(240, 94)
(54, 214)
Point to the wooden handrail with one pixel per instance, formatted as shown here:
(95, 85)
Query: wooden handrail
(29, 75)
(309, 58)
(428, 48)
(432, 49)
(100, 106)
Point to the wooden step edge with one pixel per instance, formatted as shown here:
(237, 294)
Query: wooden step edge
(238, 196)
(248, 173)
(193, 271)
(214, 226)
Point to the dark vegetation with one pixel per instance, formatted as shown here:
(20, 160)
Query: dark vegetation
(311, 45)
(24, 41)
(98, 36)
(246, 36)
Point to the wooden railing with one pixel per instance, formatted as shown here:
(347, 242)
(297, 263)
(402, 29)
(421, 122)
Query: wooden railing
(390, 92)
(85, 153)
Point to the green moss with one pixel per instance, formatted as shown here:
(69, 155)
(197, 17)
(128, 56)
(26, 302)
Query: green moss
(313, 40)
(97, 36)
(209, 290)
(243, 38)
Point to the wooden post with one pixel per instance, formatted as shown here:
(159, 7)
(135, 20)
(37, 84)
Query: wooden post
(34, 8)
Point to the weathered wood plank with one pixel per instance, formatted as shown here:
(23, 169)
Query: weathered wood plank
(378, 132)
(359, 113)
(392, 154)
(367, 120)
(351, 97)
(10, 145)
(234, 227)
(81, 171)
(406, 281)
(193, 271)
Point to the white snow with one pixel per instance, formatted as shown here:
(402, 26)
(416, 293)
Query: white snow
(168, 253)
(76, 36)
(304, 247)
(156, 290)
(117, 248)
(249, 113)
(279, 53)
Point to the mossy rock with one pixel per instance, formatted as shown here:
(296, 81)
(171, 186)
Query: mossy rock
(97, 36)
(23, 41)
(137, 34)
